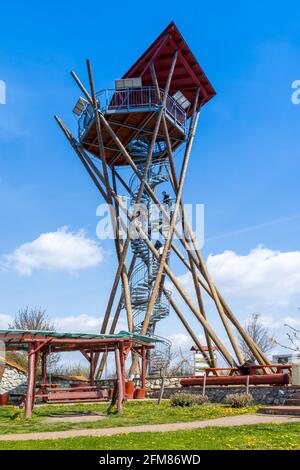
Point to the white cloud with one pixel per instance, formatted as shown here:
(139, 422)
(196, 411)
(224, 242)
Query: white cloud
(70, 323)
(183, 341)
(62, 250)
(4, 321)
(263, 276)
(78, 324)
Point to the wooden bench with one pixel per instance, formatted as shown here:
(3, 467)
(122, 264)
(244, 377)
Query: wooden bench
(70, 395)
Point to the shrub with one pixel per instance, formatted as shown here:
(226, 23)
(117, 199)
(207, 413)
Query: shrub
(239, 400)
(187, 399)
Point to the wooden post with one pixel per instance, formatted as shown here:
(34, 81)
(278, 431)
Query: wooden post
(187, 326)
(219, 306)
(163, 258)
(108, 192)
(144, 367)
(259, 355)
(162, 385)
(123, 371)
(44, 356)
(115, 320)
(212, 361)
(92, 364)
(215, 297)
(204, 384)
(30, 381)
(141, 188)
(119, 380)
(247, 383)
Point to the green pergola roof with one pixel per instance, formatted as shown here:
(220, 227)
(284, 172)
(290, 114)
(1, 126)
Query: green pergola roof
(55, 334)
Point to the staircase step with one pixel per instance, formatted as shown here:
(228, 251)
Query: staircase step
(292, 402)
(281, 410)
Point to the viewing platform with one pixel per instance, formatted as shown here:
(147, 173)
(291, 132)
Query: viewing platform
(128, 110)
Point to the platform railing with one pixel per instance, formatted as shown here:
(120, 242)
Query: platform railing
(132, 100)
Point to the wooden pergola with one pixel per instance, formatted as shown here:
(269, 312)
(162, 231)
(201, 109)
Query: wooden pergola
(39, 344)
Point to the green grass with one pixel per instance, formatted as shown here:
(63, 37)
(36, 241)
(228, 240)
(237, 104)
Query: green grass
(262, 437)
(135, 413)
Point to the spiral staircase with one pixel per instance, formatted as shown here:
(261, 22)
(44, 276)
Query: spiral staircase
(145, 272)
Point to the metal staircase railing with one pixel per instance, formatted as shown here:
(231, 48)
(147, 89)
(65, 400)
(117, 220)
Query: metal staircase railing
(143, 276)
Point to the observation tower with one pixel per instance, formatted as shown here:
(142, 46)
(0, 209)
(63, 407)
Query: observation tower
(135, 140)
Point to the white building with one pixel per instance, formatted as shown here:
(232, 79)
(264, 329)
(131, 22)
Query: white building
(200, 363)
(287, 358)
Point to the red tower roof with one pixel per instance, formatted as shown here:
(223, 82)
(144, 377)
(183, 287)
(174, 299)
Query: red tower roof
(188, 75)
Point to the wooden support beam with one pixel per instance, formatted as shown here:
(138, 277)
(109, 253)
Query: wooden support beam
(187, 226)
(166, 249)
(107, 187)
(173, 278)
(174, 182)
(119, 380)
(123, 370)
(92, 368)
(115, 320)
(259, 355)
(44, 356)
(144, 368)
(30, 381)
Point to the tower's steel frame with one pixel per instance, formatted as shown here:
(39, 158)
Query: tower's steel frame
(103, 170)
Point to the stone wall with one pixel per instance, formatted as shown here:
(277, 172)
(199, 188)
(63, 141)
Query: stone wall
(152, 383)
(13, 381)
(263, 395)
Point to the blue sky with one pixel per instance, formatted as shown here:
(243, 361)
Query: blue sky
(244, 168)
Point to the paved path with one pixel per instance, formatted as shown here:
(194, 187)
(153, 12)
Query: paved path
(227, 421)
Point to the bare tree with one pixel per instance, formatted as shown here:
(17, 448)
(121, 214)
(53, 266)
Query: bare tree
(260, 334)
(32, 319)
(293, 336)
(35, 319)
(180, 364)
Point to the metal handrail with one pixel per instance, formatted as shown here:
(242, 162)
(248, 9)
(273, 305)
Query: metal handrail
(132, 99)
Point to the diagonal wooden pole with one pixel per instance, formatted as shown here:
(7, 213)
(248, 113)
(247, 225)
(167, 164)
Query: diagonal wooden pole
(219, 306)
(115, 320)
(150, 153)
(128, 158)
(188, 328)
(215, 296)
(174, 182)
(110, 202)
(166, 249)
(170, 274)
(102, 155)
(258, 354)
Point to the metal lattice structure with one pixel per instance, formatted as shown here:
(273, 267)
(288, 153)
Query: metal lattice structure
(140, 128)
